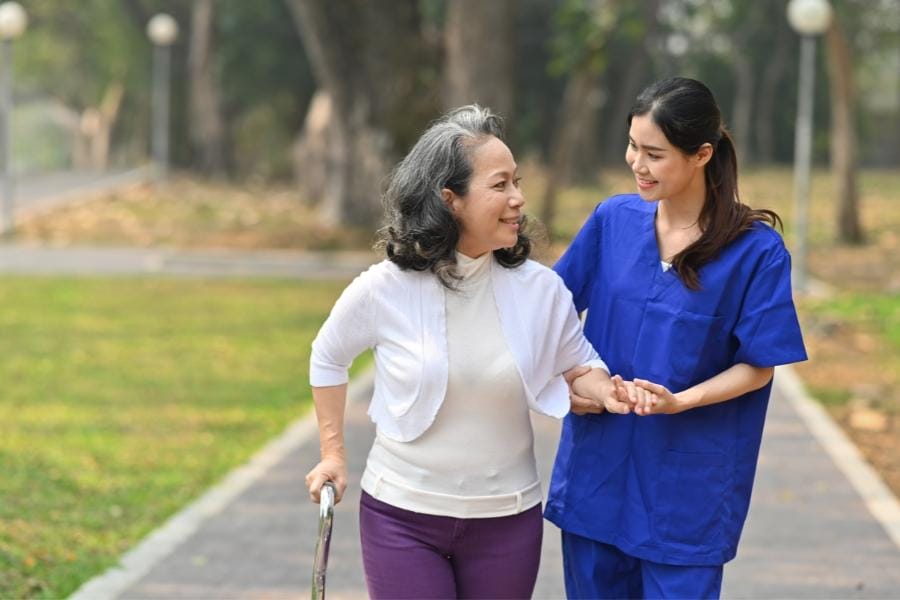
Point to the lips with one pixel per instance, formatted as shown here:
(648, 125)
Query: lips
(645, 183)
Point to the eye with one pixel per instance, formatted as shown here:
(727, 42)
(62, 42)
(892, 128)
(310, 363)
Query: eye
(654, 156)
(517, 181)
(500, 185)
(632, 145)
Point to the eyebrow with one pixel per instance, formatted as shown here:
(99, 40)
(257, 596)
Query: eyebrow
(503, 173)
(656, 148)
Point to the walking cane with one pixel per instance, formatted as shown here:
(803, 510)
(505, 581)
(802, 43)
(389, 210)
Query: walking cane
(326, 519)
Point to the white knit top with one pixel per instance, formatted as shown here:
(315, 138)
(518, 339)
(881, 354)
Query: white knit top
(476, 459)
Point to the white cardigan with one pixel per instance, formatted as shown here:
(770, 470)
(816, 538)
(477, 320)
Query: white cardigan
(401, 315)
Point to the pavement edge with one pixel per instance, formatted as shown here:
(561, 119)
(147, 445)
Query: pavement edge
(878, 498)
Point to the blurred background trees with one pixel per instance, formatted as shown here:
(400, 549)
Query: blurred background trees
(329, 94)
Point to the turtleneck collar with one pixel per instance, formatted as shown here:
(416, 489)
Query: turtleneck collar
(473, 269)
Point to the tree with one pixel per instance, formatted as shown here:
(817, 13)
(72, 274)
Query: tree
(207, 129)
(772, 75)
(474, 30)
(581, 41)
(81, 55)
(371, 75)
(843, 132)
(639, 27)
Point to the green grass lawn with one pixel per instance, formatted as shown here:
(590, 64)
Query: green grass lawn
(124, 399)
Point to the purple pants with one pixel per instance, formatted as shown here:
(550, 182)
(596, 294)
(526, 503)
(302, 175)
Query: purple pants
(413, 555)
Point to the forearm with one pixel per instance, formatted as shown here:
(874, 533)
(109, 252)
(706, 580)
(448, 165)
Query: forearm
(730, 383)
(594, 384)
(330, 402)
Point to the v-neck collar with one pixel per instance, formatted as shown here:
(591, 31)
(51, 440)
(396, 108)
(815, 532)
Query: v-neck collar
(661, 280)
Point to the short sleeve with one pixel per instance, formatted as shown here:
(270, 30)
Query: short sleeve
(348, 331)
(577, 266)
(767, 330)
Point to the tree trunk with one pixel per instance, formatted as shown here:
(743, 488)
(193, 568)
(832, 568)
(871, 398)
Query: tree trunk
(207, 129)
(843, 133)
(742, 110)
(768, 94)
(312, 148)
(575, 111)
(479, 48)
(93, 130)
(370, 74)
(107, 115)
(635, 78)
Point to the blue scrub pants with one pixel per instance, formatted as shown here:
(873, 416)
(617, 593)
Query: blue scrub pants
(597, 570)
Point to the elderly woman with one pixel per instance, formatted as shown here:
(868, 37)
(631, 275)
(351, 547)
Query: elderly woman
(468, 336)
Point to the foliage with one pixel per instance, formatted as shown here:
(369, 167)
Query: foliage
(266, 83)
(73, 51)
(124, 399)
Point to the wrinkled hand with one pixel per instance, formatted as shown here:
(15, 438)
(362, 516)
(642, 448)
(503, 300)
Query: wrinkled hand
(580, 405)
(330, 468)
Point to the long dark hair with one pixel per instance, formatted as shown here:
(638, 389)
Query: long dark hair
(686, 112)
(421, 233)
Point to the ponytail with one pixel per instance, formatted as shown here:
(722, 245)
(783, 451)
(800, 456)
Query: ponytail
(723, 217)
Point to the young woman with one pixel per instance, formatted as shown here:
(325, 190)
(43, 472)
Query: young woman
(468, 335)
(688, 294)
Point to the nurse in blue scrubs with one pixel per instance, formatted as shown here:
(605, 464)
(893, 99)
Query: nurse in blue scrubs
(688, 298)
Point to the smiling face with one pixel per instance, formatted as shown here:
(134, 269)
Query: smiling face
(661, 170)
(490, 213)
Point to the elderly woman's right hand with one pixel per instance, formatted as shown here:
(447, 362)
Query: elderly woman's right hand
(330, 468)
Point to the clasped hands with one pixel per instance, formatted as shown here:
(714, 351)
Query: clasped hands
(593, 391)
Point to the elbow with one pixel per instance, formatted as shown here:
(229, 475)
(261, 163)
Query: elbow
(763, 375)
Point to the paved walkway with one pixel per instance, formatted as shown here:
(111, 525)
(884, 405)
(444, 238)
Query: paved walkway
(38, 193)
(809, 535)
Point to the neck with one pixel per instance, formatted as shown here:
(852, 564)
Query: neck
(470, 251)
(683, 211)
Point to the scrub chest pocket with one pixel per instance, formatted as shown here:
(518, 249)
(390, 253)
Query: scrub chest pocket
(673, 343)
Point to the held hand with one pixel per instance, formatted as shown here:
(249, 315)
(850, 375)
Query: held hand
(654, 399)
(579, 404)
(596, 392)
(330, 468)
(617, 399)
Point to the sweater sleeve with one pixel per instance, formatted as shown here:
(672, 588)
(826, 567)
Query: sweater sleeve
(348, 331)
(574, 349)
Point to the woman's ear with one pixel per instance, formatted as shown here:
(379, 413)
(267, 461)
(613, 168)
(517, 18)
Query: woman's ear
(448, 196)
(704, 154)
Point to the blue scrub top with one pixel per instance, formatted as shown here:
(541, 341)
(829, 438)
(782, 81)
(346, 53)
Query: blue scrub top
(671, 489)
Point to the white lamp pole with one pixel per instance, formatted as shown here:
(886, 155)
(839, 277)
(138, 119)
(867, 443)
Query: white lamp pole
(13, 21)
(162, 31)
(809, 18)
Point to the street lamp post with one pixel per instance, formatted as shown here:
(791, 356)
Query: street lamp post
(809, 18)
(162, 31)
(13, 21)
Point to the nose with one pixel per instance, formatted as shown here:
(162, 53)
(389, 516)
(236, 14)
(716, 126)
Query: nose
(517, 199)
(637, 165)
